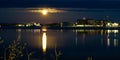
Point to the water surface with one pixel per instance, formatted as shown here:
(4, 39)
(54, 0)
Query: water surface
(35, 44)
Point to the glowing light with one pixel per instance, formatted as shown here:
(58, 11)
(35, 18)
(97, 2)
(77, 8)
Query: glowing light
(115, 24)
(109, 31)
(28, 25)
(112, 31)
(37, 24)
(116, 31)
(20, 25)
(112, 25)
(44, 41)
(108, 42)
(44, 28)
(108, 24)
(79, 25)
(44, 12)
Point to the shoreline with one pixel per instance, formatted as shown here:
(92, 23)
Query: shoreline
(65, 28)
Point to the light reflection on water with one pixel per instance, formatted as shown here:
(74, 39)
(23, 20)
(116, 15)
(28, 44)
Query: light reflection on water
(102, 32)
(108, 37)
(44, 42)
(62, 45)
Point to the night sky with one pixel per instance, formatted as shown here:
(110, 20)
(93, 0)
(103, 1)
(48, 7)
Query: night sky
(61, 3)
(15, 11)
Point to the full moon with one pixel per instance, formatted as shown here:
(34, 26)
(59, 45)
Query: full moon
(44, 12)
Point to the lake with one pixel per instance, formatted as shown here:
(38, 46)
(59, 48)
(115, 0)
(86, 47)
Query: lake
(48, 44)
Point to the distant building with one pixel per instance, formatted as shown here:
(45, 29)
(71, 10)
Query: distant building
(90, 22)
(86, 21)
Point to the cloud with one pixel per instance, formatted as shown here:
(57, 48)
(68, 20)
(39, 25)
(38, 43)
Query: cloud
(49, 10)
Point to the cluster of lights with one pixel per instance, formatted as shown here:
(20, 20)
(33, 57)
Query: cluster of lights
(28, 24)
(20, 25)
(37, 24)
(114, 31)
(112, 25)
